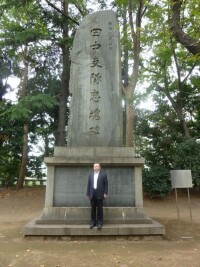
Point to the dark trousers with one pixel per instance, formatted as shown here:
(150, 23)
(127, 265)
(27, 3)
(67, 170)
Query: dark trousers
(96, 210)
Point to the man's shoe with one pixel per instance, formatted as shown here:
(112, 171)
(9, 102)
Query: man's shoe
(99, 227)
(92, 226)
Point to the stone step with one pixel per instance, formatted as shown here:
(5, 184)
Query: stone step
(82, 222)
(33, 229)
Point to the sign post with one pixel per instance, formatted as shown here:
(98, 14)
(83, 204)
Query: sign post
(182, 179)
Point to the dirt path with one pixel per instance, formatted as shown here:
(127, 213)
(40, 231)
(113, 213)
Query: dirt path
(19, 207)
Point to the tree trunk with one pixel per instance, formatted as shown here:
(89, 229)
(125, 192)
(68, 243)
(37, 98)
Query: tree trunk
(23, 93)
(179, 111)
(130, 88)
(185, 128)
(129, 119)
(179, 105)
(64, 93)
(22, 173)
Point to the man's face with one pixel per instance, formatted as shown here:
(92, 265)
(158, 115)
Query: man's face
(96, 167)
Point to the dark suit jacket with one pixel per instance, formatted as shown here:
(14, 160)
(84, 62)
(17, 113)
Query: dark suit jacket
(102, 185)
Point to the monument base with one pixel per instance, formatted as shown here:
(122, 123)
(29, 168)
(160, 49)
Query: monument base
(67, 209)
(80, 230)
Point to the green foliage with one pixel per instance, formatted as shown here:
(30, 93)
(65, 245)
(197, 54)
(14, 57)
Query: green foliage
(158, 133)
(28, 106)
(4, 73)
(10, 145)
(187, 156)
(22, 25)
(156, 181)
(35, 167)
(9, 167)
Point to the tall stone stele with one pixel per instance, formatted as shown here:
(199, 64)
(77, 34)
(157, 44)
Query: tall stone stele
(95, 84)
(94, 135)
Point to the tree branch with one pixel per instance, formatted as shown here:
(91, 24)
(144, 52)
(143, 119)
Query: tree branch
(61, 12)
(136, 41)
(185, 39)
(185, 79)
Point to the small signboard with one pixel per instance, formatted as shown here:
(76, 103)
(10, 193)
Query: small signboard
(181, 178)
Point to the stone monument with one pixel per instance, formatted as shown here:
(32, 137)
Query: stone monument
(95, 134)
(95, 84)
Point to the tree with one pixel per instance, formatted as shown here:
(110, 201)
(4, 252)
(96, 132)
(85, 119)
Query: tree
(64, 92)
(132, 13)
(170, 66)
(9, 132)
(26, 28)
(66, 23)
(23, 94)
(171, 77)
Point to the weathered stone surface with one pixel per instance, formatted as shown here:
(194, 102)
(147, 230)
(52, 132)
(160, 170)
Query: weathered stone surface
(95, 83)
(154, 228)
(69, 168)
(70, 187)
(81, 215)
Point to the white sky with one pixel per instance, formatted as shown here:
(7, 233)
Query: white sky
(12, 92)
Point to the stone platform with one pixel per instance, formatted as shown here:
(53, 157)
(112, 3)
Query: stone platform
(74, 222)
(67, 209)
(33, 229)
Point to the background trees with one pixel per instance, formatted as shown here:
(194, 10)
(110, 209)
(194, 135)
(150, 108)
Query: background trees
(172, 75)
(160, 67)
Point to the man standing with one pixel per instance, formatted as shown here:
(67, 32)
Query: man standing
(97, 190)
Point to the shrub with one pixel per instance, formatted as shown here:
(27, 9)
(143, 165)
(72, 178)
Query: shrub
(156, 181)
(187, 156)
(7, 181)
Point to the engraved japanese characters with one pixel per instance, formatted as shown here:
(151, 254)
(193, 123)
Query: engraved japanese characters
(95, 81)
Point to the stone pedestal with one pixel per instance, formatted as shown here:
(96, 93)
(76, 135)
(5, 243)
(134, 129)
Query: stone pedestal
(67, 209)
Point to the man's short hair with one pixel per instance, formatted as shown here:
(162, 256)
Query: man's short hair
(97, 163)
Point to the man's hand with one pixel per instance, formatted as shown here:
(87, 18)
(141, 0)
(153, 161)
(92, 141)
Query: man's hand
(105, 196)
